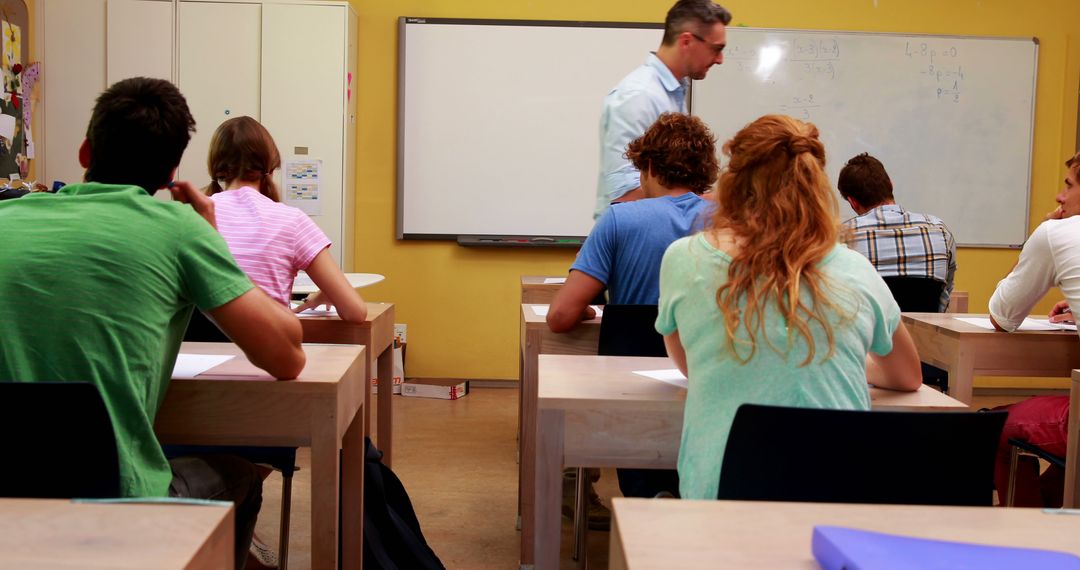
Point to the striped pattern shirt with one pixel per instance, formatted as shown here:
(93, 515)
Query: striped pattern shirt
(270, 241)
(902, 243)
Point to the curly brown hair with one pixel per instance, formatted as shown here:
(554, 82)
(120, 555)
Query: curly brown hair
(679, 150)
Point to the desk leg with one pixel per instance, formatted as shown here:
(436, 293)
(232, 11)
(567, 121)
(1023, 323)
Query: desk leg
(616, 553)
(325, 493)
(368, 408)
(520, 414)
(386, 400)
(352, 493)
(527, 435)
(962, 372)
(550, 433)
(1072, 451)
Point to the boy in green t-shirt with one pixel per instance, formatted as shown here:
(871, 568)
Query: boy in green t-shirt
(100, 280)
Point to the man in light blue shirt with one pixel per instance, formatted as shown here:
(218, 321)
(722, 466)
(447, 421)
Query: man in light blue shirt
(695, 35)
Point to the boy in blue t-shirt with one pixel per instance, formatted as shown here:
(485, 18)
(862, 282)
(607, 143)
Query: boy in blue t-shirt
(677, 160)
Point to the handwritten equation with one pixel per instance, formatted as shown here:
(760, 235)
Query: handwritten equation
(801, 106)
(941, 65)
(807, 57)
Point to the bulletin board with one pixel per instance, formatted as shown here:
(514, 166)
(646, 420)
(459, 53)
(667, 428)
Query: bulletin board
(17, 78)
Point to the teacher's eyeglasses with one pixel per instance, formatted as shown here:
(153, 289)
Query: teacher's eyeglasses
(716, 48)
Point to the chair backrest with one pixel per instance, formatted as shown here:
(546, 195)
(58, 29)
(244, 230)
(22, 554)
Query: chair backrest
(202, 329)
(629, 330)
(842, 456)
(57, 441)
(916, 294)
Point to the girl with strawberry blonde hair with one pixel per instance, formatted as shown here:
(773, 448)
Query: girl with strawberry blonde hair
(766, 306)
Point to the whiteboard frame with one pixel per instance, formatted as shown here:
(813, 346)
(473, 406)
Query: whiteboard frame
(1034, 94)
(403, 22)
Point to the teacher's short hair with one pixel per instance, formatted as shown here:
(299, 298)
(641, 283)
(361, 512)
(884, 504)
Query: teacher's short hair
(696, 13)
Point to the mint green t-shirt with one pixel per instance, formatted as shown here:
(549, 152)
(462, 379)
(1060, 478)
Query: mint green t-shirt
(691, 272)
(97, 283)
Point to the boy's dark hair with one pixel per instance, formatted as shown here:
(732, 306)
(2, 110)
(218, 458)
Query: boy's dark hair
(137, 133)
(864, 179)
(692, 16)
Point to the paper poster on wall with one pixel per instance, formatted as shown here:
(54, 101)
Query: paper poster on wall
(302, 185)
(12, 45)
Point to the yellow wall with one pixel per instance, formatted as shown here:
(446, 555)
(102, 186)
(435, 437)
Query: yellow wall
(461, 303)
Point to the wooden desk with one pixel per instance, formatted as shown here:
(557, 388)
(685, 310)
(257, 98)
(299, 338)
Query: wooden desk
(534, 290)
(1072, 453)
(57, 533)
(594, 412)
(966, 351)
(659, 534)
(235, 403)
(377, 334)
(537, 339)
(303, 285)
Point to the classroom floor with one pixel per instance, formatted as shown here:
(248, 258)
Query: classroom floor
(457, 460)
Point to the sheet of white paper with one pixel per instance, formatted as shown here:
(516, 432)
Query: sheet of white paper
(542, 310)
(670, 376)
(1029, 324)
(7, 127)
(319, 312)
(551, 280)
(191, 365)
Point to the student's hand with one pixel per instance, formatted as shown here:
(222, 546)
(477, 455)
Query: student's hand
(1056, 214)
(312, 301)
(1061, 313)
(183, 191)
(588, 314)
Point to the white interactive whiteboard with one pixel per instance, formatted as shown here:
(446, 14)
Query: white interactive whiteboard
(498, 122)
(951, 118)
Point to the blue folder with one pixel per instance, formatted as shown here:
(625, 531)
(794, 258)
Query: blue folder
(839, 548)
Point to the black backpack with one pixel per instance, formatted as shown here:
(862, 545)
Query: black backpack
(392, 536)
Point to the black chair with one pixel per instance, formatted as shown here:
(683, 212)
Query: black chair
(921, 295)
(916, 294)
(629, 330)
(202, 329)
(842, 456)
(625, 330)
(282, 459)
(1019, 447)
(58, 441)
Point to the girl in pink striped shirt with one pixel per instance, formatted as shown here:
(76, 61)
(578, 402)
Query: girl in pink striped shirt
(271, 241)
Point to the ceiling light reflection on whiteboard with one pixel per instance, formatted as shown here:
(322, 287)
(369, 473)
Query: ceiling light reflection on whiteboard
(768, 58)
